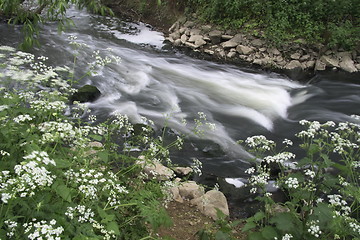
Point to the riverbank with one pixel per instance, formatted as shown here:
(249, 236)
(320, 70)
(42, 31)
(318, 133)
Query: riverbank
(296, 59)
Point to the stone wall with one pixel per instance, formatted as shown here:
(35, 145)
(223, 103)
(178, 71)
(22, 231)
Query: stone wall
(229, 45)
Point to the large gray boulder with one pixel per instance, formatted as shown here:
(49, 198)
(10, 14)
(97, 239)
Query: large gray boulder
(86, 93)
(210, 202)
(194, 38)
(347, 64)
(330, 61)
(155, 170)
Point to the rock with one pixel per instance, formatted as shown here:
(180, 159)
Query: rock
(187, 32)
(157, 170)
(226, 37)
(320, 66)
(174, 27)
(257, 42)
(358, 67)
(175, 35)
(189, 24)
(190, 190)
(184, 38)
(305, 57)
(195, 32)
(193, 38)
(191, 45)
(182, 30)
(229, 44)
(86, 93)
(183, 171)
(329, 61)
(293, 65)
(279, 59)
(177, 42)
(199, 43)
(206, 28)
(310, 64)
(215, 36)
(231, 54)
(295, 56)
(244, 49)
(220, 52)
(174, 191)
(258, 61)
(238, 38)
(347, 64)
(208, 51)
(170, 39)
(210, 202)
(273, 51)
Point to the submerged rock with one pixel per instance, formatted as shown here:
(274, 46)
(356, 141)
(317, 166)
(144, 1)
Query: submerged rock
(87, 93)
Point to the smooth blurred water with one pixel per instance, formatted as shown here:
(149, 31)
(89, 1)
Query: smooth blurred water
(157, 83)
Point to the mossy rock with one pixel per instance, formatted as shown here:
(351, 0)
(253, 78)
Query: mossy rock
(86, 93)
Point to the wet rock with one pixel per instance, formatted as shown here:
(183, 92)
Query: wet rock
(86, 93)
(210, 202)
(215, 36)
(358, 67)
(320, 66)
(293, 65)
(182, 30)
(190, 190)
(330, 61)
(190, 45)
(208, 51)
(229, 44)
(244, 49)
(347, 64)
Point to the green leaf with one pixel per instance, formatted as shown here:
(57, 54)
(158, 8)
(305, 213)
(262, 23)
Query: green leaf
(323, 212)
(62, 163)
(269, 232)
(248, 226)
(327, 160)
(104, 156)
(285, 222)
(96, 137)
(221, 236)
(105, 218)
(62, 190)
(113, 226)
(259, 216)
(255, 236)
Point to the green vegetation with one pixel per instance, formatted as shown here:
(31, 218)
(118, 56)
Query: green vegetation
(31, 14)
(331, 22)
(57, 180)
(322, 194)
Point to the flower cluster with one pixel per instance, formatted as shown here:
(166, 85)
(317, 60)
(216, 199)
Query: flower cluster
(30, 175)
(292, 182)
(287, 236)
(197, 166)
(92, 184)
(314, 229)
(43, 230)
(279, 158)
(259, 142)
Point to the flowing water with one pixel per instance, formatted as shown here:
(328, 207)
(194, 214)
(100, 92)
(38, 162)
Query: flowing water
(157, 83)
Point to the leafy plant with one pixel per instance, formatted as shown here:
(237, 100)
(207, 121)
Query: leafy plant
(322, 188)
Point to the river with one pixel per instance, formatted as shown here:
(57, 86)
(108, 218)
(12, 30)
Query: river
(154, 81)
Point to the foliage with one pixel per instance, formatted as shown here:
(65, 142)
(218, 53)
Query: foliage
(280, 20)
(56, 179)
(322, 188)
(32, 13)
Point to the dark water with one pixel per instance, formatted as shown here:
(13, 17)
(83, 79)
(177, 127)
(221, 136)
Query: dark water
(153, 82)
